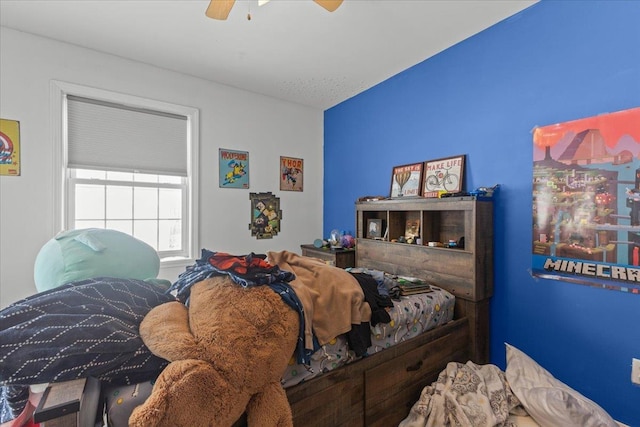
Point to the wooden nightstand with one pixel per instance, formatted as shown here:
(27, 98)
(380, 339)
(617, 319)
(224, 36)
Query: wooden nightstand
(341, 258)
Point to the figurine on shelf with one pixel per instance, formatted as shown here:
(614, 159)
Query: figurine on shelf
(335, 239)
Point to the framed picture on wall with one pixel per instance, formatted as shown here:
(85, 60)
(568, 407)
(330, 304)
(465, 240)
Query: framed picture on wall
(291, 174)
(233, 168)
(444, 175)
(9, 147)
(406, 180)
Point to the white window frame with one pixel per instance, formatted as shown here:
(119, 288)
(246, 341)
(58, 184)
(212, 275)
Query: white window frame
(73, 181)
(61, 197)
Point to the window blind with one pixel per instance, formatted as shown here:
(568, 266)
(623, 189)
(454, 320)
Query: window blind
(103, 135)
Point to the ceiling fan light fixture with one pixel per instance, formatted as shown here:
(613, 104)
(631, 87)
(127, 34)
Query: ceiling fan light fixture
(329, 5)
(219, 9)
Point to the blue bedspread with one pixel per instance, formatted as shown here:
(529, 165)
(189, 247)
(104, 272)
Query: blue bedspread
(81, 329)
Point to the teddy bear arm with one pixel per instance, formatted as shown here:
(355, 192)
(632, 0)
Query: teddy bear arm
(165, 330)
(270, 407)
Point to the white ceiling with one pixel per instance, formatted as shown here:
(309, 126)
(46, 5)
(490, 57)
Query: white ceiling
(290, 49)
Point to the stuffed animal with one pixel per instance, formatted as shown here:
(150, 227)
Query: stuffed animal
(227, 350)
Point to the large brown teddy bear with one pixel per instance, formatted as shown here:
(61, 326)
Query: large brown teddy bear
(228, 352)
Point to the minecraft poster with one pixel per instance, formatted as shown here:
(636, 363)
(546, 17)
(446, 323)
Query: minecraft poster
(586, 201)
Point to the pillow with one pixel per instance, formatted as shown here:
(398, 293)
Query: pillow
(87, 253)
(549, 401)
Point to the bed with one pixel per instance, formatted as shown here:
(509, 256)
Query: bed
(379, 389)
(410, 316)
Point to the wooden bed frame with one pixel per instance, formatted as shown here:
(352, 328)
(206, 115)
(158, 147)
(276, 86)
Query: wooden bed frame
(380, 389)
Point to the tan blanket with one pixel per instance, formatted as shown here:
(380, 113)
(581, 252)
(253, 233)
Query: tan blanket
(465, 395)
(331, 297)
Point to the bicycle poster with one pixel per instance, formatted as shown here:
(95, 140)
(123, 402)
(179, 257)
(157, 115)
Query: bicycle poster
(586, 201)
(444, 175)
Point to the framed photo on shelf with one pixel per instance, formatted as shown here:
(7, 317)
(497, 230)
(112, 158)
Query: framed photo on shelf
(444, 175)
(412, 229)
(406, 180)
(374, 229)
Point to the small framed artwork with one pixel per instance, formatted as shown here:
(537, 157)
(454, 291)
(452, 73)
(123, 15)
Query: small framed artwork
(374, 229)
(9, 147)
(444, 175)
(406, 180)
(233, 168)
(412, 229)
(291, 174)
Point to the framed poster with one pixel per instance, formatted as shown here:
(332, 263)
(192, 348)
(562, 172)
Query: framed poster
(444, 175)
(265, 215)
(586, 201)
(291, 174)
(233, 168)
(406, 180)
(9, 147)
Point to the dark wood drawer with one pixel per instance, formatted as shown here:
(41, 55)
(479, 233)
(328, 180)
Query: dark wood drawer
(392, 387)
(341, 258)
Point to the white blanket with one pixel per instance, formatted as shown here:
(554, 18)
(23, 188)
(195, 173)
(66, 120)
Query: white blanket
(465, 395)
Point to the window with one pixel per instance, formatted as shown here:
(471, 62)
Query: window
(128, 164)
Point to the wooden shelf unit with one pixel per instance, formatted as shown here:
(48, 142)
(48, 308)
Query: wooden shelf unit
(468, 270)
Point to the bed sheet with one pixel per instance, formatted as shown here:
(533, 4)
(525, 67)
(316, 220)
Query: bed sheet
(410, 316)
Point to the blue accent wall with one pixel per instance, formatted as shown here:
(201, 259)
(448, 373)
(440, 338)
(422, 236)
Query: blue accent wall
(555, 61)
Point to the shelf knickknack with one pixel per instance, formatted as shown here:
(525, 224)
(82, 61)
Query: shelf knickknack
(265, 215)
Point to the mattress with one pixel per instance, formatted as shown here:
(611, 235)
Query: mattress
(410, 316)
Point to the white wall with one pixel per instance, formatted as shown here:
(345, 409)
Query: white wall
(229, 118)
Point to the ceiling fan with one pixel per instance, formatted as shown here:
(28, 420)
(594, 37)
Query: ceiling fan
(219, 9)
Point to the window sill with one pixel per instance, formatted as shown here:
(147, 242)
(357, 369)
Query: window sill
(174, 262)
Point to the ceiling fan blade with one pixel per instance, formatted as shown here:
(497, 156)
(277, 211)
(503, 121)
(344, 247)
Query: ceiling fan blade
(219, 9)
(330, 5)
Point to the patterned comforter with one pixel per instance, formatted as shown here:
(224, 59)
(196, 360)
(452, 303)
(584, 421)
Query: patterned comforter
(81, 329)
(465, 395)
